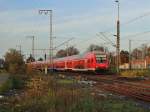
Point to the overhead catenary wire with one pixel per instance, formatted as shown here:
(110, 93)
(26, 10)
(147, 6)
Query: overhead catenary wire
(136, 18)
(129, 21)
(109, 41)
(106, 39)
(102, 33)
(138, 34)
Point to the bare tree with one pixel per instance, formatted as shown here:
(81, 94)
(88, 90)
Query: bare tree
(72, 51)
(61, 53)
(94, 47)
(30, 59)
(67, 52)
(136, 54)
(40, 59)
(124, 57)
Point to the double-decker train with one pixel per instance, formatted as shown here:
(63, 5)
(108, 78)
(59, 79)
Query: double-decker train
(91, 61)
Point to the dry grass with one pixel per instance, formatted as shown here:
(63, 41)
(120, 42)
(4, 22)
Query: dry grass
(135, 73)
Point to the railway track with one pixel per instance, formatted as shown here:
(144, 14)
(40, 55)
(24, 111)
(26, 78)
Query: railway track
(135, 89)
(127, 89)
(138, 90)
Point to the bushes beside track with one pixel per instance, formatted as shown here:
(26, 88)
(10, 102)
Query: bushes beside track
(13, 82)
(135, 73)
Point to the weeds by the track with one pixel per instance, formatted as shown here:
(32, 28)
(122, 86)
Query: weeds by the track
(54, 94)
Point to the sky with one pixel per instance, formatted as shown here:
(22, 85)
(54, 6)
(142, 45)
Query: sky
(80, 19)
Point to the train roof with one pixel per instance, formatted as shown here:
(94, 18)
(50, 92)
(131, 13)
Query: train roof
(74, 57)
(69, 57)
(79, 56)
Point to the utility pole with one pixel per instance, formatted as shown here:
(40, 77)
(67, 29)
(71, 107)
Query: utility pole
(130, 56)
(49, 12)
(33, 38)
(118, 37)
(19, 48)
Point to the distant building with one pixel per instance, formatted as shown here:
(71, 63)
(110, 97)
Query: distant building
(137, 64)
(124, 66)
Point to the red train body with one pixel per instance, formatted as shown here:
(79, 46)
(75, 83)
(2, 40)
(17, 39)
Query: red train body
(91, 61)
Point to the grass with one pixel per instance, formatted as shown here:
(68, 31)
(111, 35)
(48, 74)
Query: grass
(48, 94)
(65, 81)
(115, 105)
(84, 104)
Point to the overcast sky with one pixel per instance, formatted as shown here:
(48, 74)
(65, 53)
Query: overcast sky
(81, 19)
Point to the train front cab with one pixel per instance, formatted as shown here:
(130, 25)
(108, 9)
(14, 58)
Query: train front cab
(102, 63)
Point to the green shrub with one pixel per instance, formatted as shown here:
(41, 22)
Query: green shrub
(6, 86)
(13, 82)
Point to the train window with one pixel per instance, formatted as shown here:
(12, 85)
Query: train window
(101, 58)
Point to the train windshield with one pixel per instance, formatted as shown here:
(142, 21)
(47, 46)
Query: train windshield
(101, 58)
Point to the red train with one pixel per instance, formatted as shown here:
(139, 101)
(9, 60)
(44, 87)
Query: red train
(92, 61)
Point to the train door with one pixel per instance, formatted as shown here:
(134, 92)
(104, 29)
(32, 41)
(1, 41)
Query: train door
(81, 64)
(91, 63)
(88, 63)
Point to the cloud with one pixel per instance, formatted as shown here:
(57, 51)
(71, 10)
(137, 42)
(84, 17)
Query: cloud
(16, 24)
